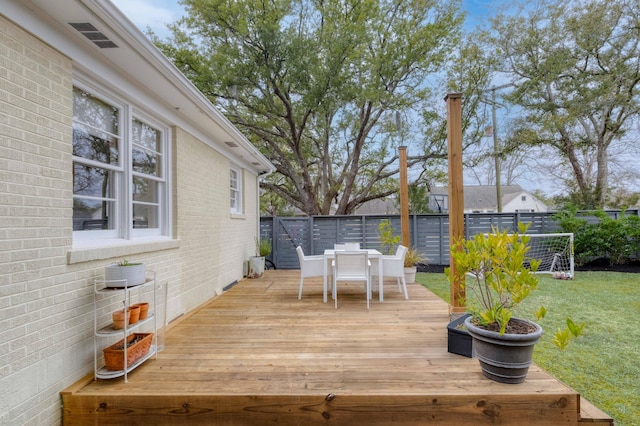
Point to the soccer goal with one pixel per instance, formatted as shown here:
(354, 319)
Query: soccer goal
(554, 251)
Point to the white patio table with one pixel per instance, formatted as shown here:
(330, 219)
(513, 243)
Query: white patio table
(330, 254)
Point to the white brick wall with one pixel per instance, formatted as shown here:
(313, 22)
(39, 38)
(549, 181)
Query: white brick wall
(39, 294)
(46, 288)
(213, 244)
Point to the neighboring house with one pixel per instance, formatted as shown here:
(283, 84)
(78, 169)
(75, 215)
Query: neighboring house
(389, 205)
(483, 199)
(106, 152)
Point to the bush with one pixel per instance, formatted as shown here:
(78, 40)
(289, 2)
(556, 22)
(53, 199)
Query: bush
(617, 240)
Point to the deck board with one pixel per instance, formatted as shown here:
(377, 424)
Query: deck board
(256, 354)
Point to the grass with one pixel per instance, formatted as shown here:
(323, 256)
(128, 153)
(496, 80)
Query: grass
(603, 364)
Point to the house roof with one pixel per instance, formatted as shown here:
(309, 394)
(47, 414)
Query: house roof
(482, 196)
(142, 72)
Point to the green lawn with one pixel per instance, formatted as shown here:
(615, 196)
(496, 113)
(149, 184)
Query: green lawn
(603, 364)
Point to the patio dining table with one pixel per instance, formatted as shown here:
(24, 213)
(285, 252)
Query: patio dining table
(330, 254)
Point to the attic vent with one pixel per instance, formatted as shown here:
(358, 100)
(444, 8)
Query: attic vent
(231, 144)
(255, 163)
(92, 33)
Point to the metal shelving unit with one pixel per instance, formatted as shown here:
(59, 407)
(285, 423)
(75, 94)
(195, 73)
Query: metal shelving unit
(108, 294)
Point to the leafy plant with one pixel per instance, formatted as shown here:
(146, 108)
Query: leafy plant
(388, 241)
(125, 262)
(502, 276)
(617, 240)
(413, 257)
(263, 247)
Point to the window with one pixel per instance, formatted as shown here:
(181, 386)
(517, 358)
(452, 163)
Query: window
(523, 198)
(236, 191)
(119, 170)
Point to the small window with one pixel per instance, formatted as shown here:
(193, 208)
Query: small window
(524, 198)
(236, 191)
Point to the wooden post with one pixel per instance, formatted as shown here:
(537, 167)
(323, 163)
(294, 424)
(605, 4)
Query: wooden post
(456, 193)
(404, 198)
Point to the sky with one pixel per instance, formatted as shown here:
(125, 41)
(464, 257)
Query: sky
(155, 14)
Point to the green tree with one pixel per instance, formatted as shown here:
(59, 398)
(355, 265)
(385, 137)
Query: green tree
(321, 86)
(576, 70)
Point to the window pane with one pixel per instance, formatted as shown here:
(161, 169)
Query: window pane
(234, 201)
(144, 190)
(145, 216)
(147, 144)
(97, 146)
(92, 214)
(234, 180)
(146, 136)
(93, 112)
(92, 181)
(145, 162)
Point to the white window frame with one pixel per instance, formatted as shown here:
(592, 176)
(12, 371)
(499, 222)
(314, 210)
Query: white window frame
(236, 190)
(123, 222)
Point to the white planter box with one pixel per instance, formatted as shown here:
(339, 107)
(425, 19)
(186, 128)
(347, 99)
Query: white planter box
(135, 274)
(256, 266)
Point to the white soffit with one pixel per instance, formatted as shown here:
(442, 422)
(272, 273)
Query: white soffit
(104, 42)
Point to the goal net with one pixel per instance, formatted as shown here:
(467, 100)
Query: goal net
(554, 252)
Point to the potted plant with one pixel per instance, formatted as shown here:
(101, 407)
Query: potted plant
(411, 259)
(133, 272)
(256, 263)
(138, 345)
(501, 276)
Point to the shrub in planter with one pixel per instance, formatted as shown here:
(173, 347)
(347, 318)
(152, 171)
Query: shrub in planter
(256, 263)
(502, 276)
(411, 260)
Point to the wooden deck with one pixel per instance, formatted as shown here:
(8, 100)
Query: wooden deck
(258, 355)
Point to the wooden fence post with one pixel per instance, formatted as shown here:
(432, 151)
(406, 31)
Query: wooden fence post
(404, 198)
(456, 194)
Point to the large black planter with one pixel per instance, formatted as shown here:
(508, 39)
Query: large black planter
(459, 340)
(506, 358)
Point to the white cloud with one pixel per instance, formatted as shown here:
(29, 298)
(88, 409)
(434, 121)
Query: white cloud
(155, 14)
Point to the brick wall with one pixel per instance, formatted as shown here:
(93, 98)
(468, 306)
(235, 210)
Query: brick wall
(46, 288)
(213, 244)
(44, 304)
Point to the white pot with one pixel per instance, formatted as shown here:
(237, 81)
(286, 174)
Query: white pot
(256, 266)
(410, 274)
(135, 274)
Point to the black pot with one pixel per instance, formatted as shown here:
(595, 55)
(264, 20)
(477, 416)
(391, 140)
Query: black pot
(506, 358)
(459, 340)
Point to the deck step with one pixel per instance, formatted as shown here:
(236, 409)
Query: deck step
(589, 413)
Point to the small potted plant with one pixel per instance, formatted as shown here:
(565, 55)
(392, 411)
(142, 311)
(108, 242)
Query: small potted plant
(411, 259)
(133, 272)
(256, 263)
(501, 276)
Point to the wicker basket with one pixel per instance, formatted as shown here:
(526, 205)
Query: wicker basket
(114, 354)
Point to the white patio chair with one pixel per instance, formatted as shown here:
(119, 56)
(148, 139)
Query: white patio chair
(310, 266)
(351, 246)
(338, 246)
(351, 266)
(393, 266)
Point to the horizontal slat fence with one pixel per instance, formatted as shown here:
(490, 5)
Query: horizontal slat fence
(429, 232)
